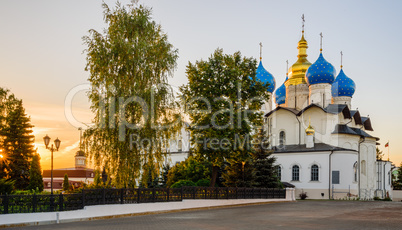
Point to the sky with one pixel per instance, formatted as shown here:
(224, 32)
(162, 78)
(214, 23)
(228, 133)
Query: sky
(42, 59)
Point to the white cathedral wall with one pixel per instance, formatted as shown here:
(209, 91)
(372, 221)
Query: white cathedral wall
(283, 120)
(340, 161)
(368, 168)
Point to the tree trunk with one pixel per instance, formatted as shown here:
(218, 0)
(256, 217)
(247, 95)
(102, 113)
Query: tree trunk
(215, 170)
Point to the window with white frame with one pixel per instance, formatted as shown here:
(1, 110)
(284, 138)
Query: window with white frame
(314, 172)
(295, 173)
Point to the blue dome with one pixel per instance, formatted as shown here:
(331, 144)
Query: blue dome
(265, 77)
(343, 86)
(320, 71)
(280, 94)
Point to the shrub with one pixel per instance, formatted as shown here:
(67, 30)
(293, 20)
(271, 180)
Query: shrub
(303, 195)
(203, 183)
(182, 183)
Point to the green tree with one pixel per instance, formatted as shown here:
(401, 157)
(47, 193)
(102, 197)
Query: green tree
(18, 144)
(263, 163)
(98, 183)
(35, 174)
(134, 108)
(223, 99)
(66, 183)
(6, 186)
(164, 175)
(379, 154)
(7, 104)
(191, 169)
(239, 174)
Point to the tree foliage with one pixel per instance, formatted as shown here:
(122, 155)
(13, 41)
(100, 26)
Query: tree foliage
(263, 163)
(223, 99)
(16, 140)
(239, 174)
(35, 175)
(134, 108)
(379, 154)
(191, 169)
(66, 183)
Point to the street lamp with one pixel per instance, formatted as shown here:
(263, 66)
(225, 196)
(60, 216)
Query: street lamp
(52, 149)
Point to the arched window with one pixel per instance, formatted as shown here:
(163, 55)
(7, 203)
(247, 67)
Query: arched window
(355, 172)
(295, 173)
(282, 138)
(279, 172)
(363, 167)
(180, 146)
(314, 173)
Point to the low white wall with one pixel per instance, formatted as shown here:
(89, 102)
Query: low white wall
(396, 195)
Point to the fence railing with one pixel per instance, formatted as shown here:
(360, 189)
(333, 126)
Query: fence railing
(75, 201)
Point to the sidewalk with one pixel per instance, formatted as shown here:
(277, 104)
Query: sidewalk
(115, 210)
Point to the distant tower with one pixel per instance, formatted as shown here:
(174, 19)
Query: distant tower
(319, 76)
(280, 93)
(296, 86)
(265, 77)
(343, 89)
(80, 158)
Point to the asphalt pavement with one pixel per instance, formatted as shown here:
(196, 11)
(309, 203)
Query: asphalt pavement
(288, 215)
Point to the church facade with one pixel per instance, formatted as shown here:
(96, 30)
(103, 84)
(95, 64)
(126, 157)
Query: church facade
(323, 146)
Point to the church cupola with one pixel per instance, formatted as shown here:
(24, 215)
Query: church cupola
(296, 86)
(310, 136)
(319, 76)
(343, 88)
(267, 78)
(280, 94)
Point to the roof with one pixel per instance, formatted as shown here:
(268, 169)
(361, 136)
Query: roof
(356, 115)
(294, 111)
(367, 123)
(287, 184)
(338, 108)
(344, 129)
(70, 173)
(318, 147)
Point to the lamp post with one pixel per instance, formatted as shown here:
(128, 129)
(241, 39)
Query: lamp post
(52, 149)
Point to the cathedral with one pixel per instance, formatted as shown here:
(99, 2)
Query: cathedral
(322, 145)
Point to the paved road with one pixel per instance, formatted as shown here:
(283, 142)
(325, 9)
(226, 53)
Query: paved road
(291, 215)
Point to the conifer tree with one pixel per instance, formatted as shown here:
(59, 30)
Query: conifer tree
(18, 144)
(239, 174)
(66, 184)
(35, 174)
(263, 163)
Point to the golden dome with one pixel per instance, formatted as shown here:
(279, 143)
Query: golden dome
(298, 70)
(310, 130)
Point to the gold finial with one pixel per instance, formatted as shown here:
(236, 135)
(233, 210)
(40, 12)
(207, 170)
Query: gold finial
(303, 23)
(341, 59)
(260, 50)
(310, 130)
(321, 42)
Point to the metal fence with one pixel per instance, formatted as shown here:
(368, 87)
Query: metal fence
(75, 201)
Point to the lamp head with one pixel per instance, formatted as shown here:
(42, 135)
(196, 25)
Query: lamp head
(57, 143)
(46, 139)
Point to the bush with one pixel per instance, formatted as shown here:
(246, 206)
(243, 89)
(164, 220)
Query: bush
(182, 183)
(303, 195)
(203, 183)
